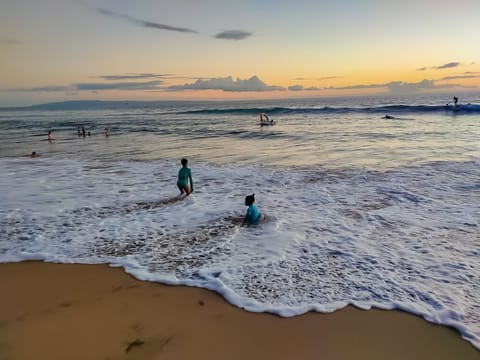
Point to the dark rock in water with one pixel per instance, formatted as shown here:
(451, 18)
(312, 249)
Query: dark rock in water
(134, 343)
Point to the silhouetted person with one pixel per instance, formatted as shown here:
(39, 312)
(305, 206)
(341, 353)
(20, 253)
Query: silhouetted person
(50, 136)
(83, 131)
(455, 100)
(107, 132)
(79, 132)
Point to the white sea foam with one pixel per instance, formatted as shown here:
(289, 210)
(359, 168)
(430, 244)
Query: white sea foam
(405, 238)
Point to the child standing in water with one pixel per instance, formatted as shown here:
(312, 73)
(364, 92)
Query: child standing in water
(183, 176)
(253, 215)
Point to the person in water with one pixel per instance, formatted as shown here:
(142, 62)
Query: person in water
(34, 154)
(184, 175)
(455, 100)
(253, 215)
(50, 135)
(264, 119)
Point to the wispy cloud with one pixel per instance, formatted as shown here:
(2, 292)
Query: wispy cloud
(449, 65)
(132, 76)
(47, 88)
(328, 78)
(322, 78)
(9, 41)
(149, 85)
(144, 23)
(228, 84)
(233, 35)
(453, 77)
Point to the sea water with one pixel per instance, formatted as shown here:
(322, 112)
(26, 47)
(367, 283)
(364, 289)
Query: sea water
(360, 209)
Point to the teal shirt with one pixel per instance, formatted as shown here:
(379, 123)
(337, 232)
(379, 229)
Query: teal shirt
(253, 215)
(183, 176)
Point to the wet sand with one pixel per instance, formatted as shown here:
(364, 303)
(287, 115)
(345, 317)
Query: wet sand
(59, 311)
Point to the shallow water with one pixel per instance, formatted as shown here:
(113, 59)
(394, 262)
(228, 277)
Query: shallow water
(360, 210)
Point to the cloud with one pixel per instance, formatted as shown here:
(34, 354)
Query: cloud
(228, 84)
(149, 85)
(296, 88)
(233, 35)
(458, 77)
(95, 87)
(328, 78)
(359, 86)
(302, 88)
(48, 88)
(401, 86)
(447, 66)
(133, 76)
(144, 23)
(9, 41)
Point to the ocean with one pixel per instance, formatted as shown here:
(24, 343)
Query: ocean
(360, 209)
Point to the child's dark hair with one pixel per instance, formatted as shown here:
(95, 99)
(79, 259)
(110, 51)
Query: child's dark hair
(184, 162)
(250, 199)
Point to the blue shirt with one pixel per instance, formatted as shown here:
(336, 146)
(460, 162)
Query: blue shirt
(253, 215)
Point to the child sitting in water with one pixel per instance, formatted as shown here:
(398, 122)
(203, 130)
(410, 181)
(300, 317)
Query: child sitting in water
(183, 176)
(253, 215)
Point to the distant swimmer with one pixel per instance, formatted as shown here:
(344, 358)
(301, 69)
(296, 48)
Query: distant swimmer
(253, 215)
(388, 117)
(107, 132)
(184, 175)
(50, 136)
(33, 154)
(265, 120)
(455, 100)
(83, 131)
(79, 132)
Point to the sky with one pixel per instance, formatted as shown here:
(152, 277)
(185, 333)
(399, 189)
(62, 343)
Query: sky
(57, 50)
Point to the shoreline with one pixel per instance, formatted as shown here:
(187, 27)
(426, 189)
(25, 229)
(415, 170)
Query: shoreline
(79, 311)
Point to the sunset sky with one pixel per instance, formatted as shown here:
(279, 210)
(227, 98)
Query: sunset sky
(55, 50)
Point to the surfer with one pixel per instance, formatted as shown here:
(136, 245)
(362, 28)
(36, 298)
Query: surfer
(184, 175)
(388, 117)
(264, 119)
(455, 101)
(253, 215)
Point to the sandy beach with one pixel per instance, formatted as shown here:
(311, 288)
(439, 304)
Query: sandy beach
(60, 311)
